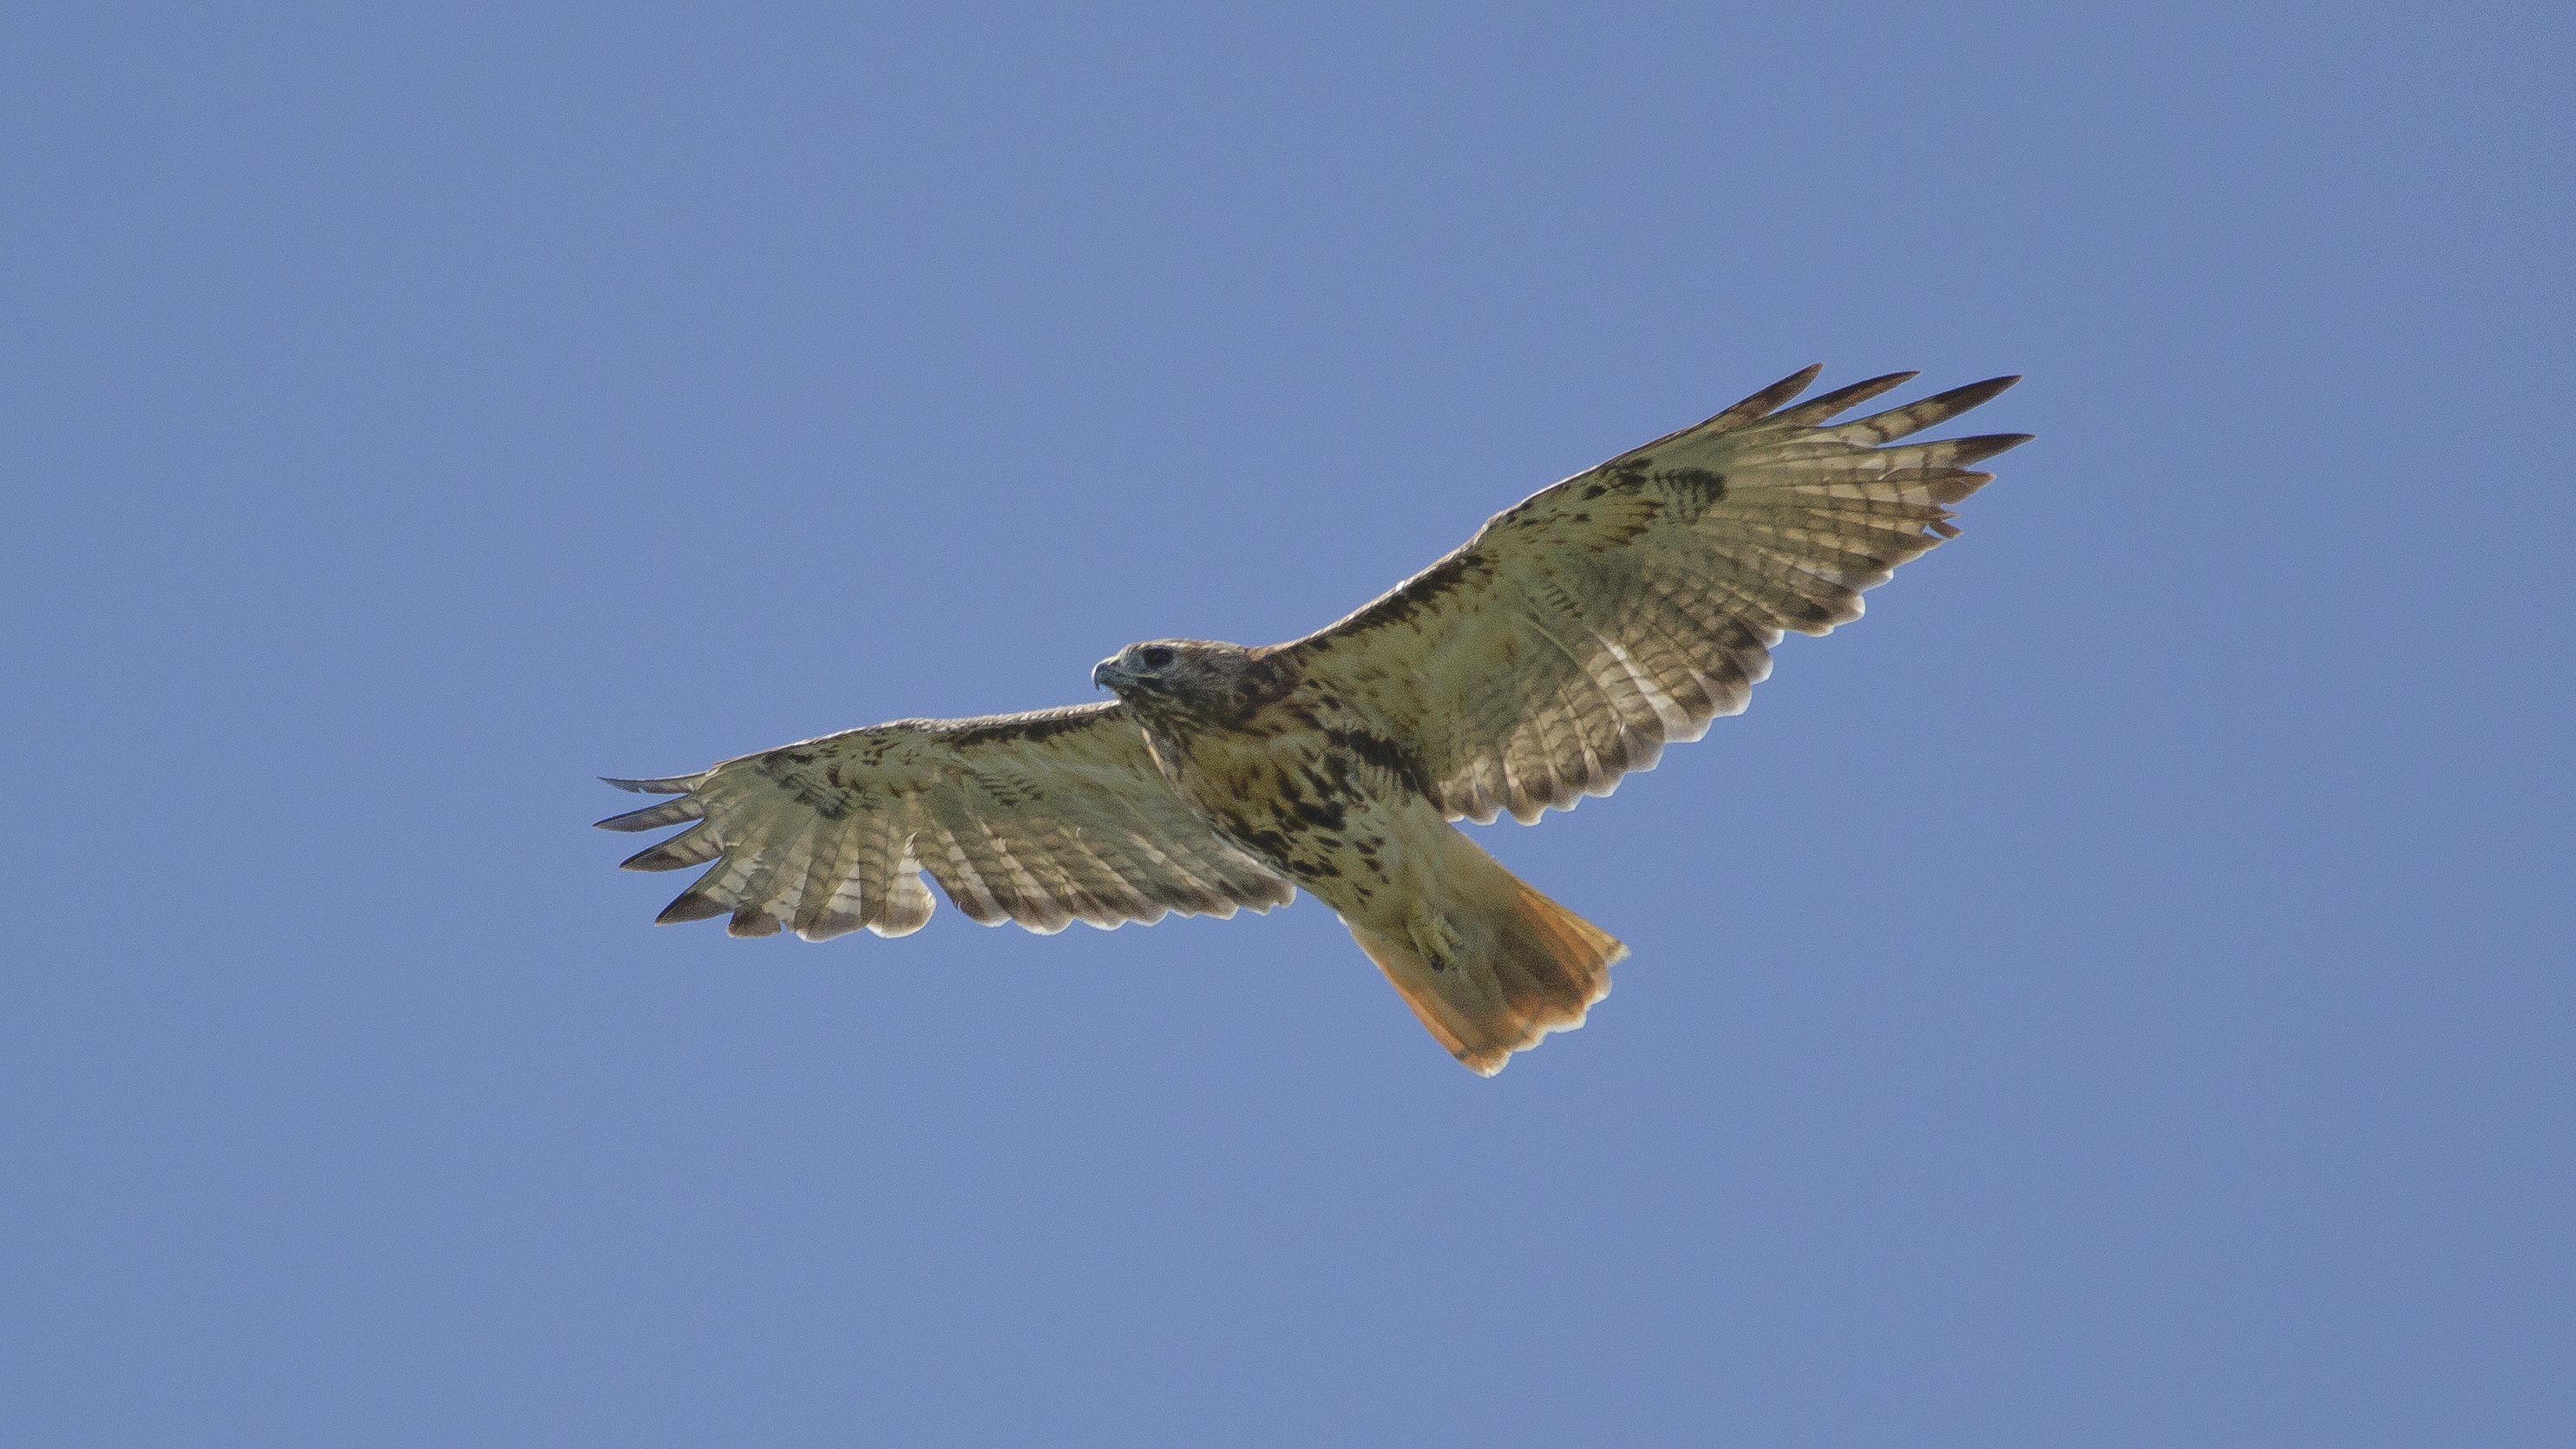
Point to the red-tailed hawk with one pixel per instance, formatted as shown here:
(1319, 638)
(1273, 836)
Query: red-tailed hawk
(1559, 649)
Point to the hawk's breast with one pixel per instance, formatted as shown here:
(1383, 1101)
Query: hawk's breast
(1316, 802)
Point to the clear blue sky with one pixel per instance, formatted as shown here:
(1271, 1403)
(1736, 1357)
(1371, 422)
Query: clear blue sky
(2118, 993)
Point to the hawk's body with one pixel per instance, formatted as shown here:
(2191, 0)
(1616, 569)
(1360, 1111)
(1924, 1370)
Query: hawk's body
(1325, 790)
(1559, 649)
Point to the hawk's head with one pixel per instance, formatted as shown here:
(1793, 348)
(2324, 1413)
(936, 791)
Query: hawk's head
(1193, 682)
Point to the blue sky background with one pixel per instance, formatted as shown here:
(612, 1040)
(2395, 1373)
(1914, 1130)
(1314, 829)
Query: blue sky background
(2116, 994)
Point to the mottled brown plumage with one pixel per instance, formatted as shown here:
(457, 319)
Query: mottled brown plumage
(1560, 648)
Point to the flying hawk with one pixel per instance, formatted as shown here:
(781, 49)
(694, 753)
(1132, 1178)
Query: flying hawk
(1556, 651)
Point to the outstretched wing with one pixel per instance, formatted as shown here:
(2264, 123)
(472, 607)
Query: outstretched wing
(1041, 818)
(1629, 605)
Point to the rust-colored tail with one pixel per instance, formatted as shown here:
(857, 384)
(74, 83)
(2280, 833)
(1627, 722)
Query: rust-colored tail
(1487, 963)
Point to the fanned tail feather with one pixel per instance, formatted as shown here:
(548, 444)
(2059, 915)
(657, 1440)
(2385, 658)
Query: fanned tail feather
(1491, 966)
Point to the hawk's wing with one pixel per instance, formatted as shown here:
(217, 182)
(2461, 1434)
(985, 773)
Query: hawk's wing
(1037, 818)
(1574, 635)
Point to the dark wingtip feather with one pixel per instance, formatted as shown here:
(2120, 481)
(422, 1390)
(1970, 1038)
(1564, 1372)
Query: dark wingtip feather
(667, 785)
(665, 857)
(1756, 406)
(1761, 403)
(1960, 399)
(1914, 417)
(652, 817)
(1971, 450)
(1817, 410)
(690, 906)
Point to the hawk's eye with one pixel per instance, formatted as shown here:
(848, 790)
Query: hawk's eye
(1157, 657)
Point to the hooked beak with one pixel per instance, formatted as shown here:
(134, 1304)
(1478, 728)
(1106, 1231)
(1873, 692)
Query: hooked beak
(1104, 671)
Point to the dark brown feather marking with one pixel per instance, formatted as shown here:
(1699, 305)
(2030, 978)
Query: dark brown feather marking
(1691, 492)
(817, 790)
(1035, 728)
(1385, 754)
(1452, 572)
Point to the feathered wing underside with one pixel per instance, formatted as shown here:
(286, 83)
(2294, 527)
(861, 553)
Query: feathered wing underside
(1043, 819)
(1576, 634)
